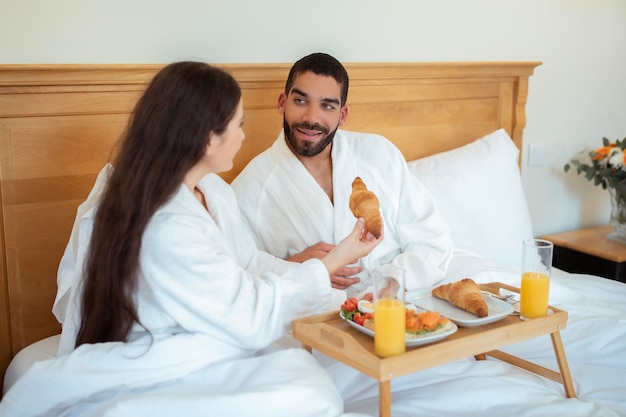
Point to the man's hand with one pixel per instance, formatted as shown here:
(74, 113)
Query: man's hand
(341, 278)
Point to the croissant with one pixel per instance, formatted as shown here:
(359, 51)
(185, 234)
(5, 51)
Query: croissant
(364, 203)
(463, 294)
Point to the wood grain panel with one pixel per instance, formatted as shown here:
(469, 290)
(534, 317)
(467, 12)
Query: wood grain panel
(63, 145)
(424, 128)
(78, 102)
(31, 301)
(6, 349)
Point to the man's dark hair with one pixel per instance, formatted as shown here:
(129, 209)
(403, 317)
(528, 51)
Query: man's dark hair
(320, 64)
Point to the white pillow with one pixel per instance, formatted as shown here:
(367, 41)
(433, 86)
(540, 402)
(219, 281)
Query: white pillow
(478, 190)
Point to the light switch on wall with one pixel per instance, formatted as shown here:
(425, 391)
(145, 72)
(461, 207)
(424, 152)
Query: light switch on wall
(535, 154)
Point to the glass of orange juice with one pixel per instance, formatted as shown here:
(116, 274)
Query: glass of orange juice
(389, 311)
(535, 288)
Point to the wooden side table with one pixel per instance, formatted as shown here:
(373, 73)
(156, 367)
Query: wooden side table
(588, 251)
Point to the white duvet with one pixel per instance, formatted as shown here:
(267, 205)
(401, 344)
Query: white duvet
(594, 342)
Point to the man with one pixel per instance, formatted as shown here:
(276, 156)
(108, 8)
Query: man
(295, 195)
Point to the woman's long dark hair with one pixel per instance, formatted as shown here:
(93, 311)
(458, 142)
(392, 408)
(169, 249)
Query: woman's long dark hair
(166, 136)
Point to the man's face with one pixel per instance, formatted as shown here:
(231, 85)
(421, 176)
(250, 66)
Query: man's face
(312, 113)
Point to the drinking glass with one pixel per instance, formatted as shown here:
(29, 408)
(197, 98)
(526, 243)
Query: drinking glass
(389, 310)
(536, 268)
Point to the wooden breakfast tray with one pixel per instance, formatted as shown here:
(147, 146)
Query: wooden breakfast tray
(331, 335)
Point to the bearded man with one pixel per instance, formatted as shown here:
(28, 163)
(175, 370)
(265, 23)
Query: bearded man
(295, 195)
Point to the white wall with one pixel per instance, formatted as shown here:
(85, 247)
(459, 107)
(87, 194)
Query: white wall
(576, 97)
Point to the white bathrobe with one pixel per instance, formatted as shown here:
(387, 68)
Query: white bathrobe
(209, 311)
(67, 266)
(288, 211)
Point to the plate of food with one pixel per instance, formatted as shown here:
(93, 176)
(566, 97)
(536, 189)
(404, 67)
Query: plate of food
(423, 327)
(462, 302)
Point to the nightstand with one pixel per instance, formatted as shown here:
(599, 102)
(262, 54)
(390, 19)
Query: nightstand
(588, 251)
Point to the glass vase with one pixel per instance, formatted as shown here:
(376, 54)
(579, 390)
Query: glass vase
(618, 213)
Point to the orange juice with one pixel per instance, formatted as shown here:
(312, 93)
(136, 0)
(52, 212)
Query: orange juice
(534, 295)
(389, 327)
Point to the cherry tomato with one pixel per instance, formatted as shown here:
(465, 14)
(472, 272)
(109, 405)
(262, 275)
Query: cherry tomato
(350, 304)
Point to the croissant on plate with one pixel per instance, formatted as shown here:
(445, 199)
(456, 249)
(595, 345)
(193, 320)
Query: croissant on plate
(465, 295)
(364, 203)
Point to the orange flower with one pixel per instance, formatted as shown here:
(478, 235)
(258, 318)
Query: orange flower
(602, 152)
(604, 166)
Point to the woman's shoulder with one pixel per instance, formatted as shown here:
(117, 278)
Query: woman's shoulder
(214, 185)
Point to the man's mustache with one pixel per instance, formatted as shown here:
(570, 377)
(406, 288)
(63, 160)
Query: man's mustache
(309, 126)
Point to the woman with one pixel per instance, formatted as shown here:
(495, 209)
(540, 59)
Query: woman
(173, 299)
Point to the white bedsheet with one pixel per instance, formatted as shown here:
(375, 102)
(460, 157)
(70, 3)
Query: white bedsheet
(594, 342)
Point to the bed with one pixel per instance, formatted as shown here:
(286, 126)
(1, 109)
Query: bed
(459, 126)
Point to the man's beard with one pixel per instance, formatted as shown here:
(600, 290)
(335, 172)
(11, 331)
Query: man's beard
(306, 148)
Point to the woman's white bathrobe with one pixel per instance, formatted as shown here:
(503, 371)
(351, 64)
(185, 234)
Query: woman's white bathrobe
(288, 211)
(208, 309)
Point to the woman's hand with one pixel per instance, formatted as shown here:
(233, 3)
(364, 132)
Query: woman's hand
(354, 246)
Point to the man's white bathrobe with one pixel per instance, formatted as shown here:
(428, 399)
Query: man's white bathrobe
(288, 211)
(210, 301)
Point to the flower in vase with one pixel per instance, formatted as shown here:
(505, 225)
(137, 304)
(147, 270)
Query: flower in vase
(605, 166)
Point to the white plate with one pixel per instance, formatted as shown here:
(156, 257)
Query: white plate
(411, 340)
(498, 309)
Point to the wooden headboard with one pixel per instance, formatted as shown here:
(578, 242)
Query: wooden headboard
(58, 124)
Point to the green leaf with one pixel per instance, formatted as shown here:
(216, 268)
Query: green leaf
(605, 172)
(590, 175)
(349, 315)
